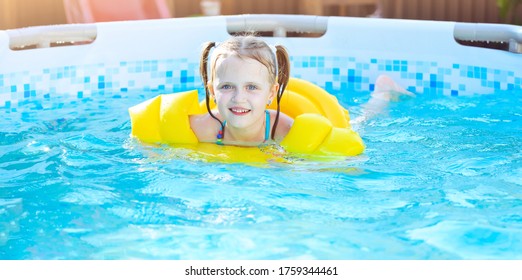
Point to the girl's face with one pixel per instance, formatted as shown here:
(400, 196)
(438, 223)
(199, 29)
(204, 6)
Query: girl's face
(242, 90)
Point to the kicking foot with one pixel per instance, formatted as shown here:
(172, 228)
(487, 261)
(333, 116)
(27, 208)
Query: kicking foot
(387, 89)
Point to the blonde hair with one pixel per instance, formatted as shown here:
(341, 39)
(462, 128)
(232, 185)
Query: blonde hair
(249, 46)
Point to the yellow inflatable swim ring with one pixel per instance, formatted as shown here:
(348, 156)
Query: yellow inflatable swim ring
(321, 124)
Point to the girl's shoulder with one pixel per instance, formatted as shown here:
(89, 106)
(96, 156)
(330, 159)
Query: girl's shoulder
(204, 126)
(283, 125)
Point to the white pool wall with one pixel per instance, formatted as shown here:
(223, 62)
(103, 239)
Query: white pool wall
(163, 56)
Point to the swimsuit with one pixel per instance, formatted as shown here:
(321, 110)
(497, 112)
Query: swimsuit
(219, 136)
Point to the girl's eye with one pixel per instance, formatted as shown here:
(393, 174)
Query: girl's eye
(251, 87)
(226, 87)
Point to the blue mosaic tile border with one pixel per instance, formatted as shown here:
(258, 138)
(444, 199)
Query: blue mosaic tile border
(348, 74)
(338, 75)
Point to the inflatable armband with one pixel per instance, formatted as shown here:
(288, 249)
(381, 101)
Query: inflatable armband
(164, 118)
(321, 124)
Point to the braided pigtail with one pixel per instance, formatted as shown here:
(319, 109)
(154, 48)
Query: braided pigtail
(283, 75)
(203, 66)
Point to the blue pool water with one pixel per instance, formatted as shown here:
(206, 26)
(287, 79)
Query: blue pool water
(441, 179)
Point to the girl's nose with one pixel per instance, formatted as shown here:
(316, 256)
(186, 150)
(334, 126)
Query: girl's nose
(240, 95)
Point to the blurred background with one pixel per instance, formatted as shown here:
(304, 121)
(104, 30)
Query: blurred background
(24, 13)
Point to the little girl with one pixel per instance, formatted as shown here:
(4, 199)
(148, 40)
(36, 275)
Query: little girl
(246, 76)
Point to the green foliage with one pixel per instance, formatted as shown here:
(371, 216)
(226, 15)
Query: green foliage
(507, 9)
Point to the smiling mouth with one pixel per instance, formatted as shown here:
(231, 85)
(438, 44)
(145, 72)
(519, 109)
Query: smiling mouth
(239, 111)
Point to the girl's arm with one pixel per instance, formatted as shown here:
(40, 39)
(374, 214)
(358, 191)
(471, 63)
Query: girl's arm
(205, 127)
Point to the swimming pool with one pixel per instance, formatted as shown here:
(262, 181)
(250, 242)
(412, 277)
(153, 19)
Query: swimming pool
(440, 178)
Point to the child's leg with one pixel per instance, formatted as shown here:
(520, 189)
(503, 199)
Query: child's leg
(386, 90)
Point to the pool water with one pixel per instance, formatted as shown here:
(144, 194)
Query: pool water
(441, 179)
